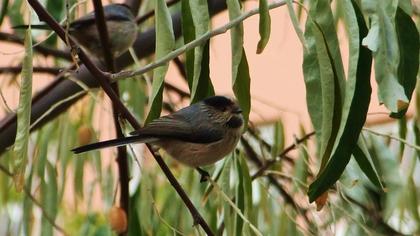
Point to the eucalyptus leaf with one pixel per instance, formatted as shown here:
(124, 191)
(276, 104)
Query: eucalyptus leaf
(408, 43)
(356, 118)
(381, 41)
(23, 113)
(240, 196)
(3, 10)
(201, 86)
(367, 167)
(240, 70)
(264, 25)
(165, 43)
(295, 22)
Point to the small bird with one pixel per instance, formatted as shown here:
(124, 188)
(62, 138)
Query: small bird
(121, 25)
(197, 135)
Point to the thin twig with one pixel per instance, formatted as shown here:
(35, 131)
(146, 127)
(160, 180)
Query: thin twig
(269, 163)
(36, 69)
(237, 210)
(392, 137)
(197, 42)
(46, 51)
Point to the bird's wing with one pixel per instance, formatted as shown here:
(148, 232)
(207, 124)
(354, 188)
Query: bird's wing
(177, 126)
(111, 12)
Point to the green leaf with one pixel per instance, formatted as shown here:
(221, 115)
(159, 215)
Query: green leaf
(312, 77)
(381, 41)
(356, 118)
(201, 86)
(15, 16)
(3, 11)
(241, 87)
(278, 140)
(402, 133)
(408, 43)
(301, 170)
(195, 23)
(264, 25)
(79, 163)
(27, 206)
(247, 183)
(330, 98)
(225, 186)
(416, 122)
(56, 9)
(295, 22)
(188, 31)
(49, 190)
(362, 158)
(23, 113)
(240, 70)
(411, 199)
(324, 77)
(164, 45)
(240, 198)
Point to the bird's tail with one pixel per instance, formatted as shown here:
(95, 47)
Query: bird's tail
(40, 27)
(112, 143)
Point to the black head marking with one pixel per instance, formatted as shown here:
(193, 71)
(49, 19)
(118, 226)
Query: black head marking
(218, 102)
(234, 122)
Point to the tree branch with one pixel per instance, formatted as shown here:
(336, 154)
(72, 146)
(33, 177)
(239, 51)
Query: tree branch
(46, 51)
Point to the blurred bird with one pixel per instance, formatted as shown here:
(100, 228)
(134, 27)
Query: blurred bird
(121, 26)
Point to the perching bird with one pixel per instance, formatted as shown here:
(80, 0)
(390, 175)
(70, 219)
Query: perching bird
(121, 26)
(197, 135)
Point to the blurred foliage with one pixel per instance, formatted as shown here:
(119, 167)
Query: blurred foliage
(375, 193)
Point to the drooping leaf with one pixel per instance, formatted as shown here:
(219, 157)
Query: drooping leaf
(3, 10)
(366, 166)
(225, 186)
(240, 70)
(241, 87)
(295, 22)
(49, 190)
(195, 23)
(360, 87)
(416, 121)
(23, 113)
(15, 16)
(324, 77)
(301, 170)
(247, 183)
(240, 197)
(264, 25)
(56, 9)
(408, 44)
(402, 133)
(278, 139)
(27, 205)
(164, 44)
(381, 41)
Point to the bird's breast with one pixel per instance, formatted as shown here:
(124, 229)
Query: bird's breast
(198, 154)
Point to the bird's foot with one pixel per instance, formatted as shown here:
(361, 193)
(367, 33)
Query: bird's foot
(204, 175)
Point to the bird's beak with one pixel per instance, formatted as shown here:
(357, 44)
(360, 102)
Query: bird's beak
(237, 110)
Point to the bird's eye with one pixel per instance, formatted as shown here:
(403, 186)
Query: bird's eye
(223, 109)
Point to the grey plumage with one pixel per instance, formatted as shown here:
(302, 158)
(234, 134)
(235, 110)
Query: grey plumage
(121, 27)
(196, 135)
